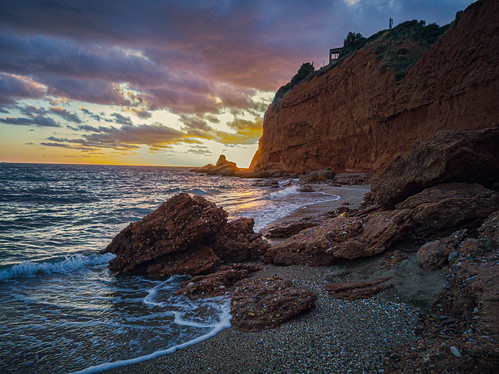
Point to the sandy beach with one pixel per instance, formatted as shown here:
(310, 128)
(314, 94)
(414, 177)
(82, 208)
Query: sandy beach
(336, 336)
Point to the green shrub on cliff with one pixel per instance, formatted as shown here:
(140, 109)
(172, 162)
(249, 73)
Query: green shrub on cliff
(306, 70)
(352, 42)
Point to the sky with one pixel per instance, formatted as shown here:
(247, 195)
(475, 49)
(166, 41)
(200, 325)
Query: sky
(156, 82)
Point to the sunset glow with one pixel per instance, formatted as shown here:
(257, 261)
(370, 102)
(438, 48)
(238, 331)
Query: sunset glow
(164, 83)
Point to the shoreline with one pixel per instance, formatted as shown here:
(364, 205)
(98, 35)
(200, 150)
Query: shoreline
(327, 338)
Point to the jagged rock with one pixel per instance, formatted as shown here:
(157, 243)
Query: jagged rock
(442, 209)
(449, 156)
(237, 242)
(318, 176)
(287, 229)
(218, 283)
(342, 237)
(391, 259)
(185, 235)
(434, 255)
(349, 179)
(357, 290)
(259, 303)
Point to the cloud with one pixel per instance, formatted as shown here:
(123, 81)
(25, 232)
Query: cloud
(39, 121)
(140, 112)
(13, 88)
(121, 119)
(63, 113)
(247, 132)
(199, 150)
(90, 114)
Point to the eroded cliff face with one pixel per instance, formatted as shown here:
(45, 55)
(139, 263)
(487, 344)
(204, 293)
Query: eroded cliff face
(358, 117)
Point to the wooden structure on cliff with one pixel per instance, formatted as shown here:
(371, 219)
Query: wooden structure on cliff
(334, 53)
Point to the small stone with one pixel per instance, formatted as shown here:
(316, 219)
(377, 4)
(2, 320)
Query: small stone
(455, 351)
(452, 256)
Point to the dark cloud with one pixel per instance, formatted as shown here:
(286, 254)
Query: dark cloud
(90, 114)
(194, 122)
(39, 121)
(13, 88)
(63, 113)
(121, 119)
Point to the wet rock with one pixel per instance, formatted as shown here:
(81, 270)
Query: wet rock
(185, 235)
(391, 259)
(217, 283)
(306, 189)
(448, 156)
(357, 290)
(350, 179)
(265, 303)
(342, 238)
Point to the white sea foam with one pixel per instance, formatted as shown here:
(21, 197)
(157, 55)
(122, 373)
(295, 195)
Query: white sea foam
(222, 323)
(291, 190)
(71, 263)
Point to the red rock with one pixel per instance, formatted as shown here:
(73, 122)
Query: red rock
(342, 238)
(218, 283)
(391, 259)
(222, 167)
(357, 290)
(259, 303)
(357, 116)
(287, 229)
(449, 156)
(318, 176)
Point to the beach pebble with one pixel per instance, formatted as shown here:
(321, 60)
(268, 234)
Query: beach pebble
(455, 351)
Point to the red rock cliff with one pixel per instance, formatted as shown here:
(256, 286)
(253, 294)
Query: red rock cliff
(357, 116)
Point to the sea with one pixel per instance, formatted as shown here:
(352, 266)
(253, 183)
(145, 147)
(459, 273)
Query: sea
(61, 309)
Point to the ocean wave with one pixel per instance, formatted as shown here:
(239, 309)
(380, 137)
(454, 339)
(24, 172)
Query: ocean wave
(70, 264)
(291, 190)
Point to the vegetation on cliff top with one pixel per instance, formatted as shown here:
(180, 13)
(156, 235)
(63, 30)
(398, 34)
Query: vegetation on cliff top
(399, 48)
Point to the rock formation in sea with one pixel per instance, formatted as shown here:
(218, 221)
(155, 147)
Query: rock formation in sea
(374, 104)
(185, 235)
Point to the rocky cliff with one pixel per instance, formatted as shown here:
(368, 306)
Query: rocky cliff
(373, 104)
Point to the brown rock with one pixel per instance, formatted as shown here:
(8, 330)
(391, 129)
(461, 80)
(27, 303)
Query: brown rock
(342, 237)
(356, 115)
(237, 242)
(185, 235)
(449, 156)
(260, 303)
(216, 284)
(442, 209)
(391, 259)
(434, 255)
(465, 316)
(287, 229)
(318, 176)
(222, 167)
(357, 290)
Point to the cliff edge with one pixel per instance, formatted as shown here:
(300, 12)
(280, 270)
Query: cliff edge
(372, 105)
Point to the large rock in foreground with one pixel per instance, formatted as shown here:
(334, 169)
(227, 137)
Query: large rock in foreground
(259, 303)
(449, 156)
(185, 235)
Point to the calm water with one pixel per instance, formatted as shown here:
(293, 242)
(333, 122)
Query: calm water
(60, 308)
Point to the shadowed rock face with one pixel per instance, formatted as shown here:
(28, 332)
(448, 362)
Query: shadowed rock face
(259, 303)
(449, 156)
(185, 235)
(356, 116)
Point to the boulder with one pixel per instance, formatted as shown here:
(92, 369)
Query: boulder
(442, 209)
(449, 156)
(434, 255)
(342, 238)
(318, 176)
(185, 235)
(222, 167)
(287, 229)
(265, 303)
(216, 284)
(357, 290)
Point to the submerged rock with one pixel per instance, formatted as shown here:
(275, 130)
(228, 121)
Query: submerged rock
(259, 303)
(185, 235)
